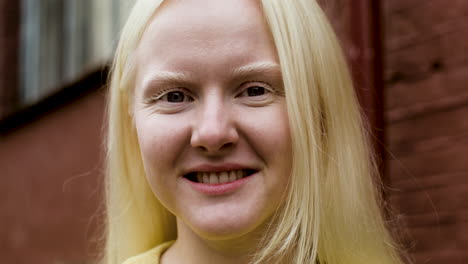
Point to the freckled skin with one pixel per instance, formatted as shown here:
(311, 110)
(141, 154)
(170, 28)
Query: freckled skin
(210, 117)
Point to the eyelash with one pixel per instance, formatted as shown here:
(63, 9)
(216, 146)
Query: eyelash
(264, 85)
(164, 92)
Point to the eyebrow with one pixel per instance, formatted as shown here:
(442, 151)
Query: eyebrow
(164, 77)
(262, 68)
(161, 78)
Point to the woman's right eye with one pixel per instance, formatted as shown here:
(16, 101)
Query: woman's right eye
(174, 97)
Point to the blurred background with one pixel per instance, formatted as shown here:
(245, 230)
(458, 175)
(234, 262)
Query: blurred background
(410, 67)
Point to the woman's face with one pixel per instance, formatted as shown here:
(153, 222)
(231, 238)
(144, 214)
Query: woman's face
(210, 115)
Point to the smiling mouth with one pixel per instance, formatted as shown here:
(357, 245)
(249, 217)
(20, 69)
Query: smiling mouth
(218, 177)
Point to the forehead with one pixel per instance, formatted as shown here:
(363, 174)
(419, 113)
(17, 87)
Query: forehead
(188, 15)
(187, 10)
(198, 27)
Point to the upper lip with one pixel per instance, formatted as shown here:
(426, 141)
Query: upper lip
(217, 168)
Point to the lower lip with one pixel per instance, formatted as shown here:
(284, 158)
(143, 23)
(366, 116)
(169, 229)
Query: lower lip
(220, 188)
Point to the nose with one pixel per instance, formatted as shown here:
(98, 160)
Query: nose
(214, 129)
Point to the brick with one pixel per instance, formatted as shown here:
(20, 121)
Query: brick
(51, 183)
(430, 200)
(438, 243)
(437, 236)
(440, 90)
(416, 62)
(446, 159)
(423, 22)
(390, 6)
(428, 133)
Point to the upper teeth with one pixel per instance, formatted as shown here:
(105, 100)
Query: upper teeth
(219, 177)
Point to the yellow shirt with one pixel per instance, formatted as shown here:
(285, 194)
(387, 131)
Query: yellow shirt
(151, 256)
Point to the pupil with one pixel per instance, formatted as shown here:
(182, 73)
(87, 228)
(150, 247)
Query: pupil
(255, 91)
(175, 97)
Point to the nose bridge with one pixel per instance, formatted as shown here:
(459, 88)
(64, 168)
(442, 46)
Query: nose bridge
(214, 128)
(213, 116)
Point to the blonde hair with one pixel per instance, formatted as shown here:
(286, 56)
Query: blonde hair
(333, 210)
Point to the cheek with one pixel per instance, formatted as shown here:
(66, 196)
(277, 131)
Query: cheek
(161, 139)
(270, 136)
(270, 132)
(280, 147)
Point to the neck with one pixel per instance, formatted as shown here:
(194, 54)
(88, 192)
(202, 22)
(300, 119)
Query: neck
(192, 248)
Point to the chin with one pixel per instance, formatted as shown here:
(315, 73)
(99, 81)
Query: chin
(226, 225)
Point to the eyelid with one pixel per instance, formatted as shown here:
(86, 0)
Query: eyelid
(265, 85)
(163, 92)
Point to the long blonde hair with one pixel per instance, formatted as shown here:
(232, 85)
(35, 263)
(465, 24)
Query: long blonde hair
(332, 212)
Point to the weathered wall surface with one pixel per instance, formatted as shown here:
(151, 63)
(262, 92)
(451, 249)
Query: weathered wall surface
(426, 116)
(51, 183)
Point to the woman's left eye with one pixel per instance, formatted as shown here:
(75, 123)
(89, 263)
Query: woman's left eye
(255, 90)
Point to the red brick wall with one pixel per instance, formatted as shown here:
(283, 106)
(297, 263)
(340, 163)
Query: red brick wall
(426, 115)
(51, 185)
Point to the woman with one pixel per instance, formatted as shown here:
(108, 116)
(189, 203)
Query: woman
(235, 137)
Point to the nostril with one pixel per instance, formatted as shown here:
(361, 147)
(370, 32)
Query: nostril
(227, 145)
(203, 148)
(212, 137)
(216, 149)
